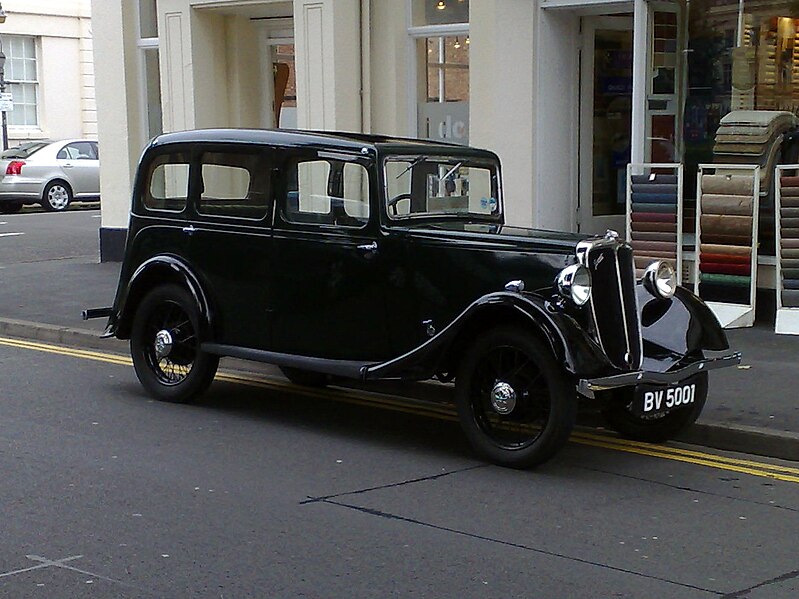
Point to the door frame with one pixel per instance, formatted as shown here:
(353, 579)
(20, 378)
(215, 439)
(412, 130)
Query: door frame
(586, 221)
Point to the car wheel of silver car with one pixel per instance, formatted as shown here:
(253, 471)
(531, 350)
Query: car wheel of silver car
(621, 417)
(57, 196)
(165, 346)
(515, 403)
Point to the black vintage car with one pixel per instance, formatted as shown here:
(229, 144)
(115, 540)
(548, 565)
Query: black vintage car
(366, 257)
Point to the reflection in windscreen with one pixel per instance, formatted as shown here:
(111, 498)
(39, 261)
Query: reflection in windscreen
(428, 186)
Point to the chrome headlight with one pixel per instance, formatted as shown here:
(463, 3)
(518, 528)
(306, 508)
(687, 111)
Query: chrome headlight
(574, 283)
(660, 279)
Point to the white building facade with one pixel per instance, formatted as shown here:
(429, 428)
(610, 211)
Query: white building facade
(49, 69)
(567, 92)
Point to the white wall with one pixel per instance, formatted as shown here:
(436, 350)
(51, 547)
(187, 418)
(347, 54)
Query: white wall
(65, 73)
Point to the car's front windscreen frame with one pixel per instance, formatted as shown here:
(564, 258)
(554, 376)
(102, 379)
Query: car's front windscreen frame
(450, 159)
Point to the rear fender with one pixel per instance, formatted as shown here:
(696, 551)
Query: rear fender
(158, 270)
(568, 341)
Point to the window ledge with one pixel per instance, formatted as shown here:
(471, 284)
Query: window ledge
(26, 133)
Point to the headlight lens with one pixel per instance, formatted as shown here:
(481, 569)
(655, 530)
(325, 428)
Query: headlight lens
(660, 279)
(574, 283)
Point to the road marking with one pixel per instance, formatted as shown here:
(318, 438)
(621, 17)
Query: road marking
(10, 234)
(448, 413)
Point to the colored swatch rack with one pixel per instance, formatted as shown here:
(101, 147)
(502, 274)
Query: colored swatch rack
(654, 214)
(786, 208)
(725, 271)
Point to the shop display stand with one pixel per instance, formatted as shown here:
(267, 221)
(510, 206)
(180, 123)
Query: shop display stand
(786, 216)
(655, 213)
(725, 271)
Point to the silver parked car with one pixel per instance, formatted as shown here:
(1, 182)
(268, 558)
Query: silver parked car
(51, 173)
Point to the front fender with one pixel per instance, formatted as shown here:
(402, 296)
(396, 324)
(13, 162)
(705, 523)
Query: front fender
(158, 270)
(676, 327)
(570, 344)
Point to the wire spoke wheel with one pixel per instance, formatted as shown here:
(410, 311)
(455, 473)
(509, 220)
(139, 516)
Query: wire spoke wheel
(515, 404)
(165, 346)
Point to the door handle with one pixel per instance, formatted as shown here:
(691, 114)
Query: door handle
(368, 247)
(189, 230)
(68, 165)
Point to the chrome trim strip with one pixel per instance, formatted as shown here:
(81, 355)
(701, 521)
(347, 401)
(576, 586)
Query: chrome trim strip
(623, 306)
(587, 387)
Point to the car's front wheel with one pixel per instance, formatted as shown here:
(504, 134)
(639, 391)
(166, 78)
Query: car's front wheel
(57, 196)
(165, 346)
(515, 403)
(622, 416)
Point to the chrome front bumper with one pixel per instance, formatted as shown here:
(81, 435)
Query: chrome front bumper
(587, 387)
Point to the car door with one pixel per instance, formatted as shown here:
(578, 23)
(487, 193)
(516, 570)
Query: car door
(229, 239)
(328, 276)
(79, 163)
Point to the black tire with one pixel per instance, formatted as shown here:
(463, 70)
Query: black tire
(185, 372)
(305, 378)
(539, 423)
(57, 196)
(10, 207)
(621, 419)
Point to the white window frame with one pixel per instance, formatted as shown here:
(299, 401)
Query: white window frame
(34, 82)
(143, 44)
(416, 33)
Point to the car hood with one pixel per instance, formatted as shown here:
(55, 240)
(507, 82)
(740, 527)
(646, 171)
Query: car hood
(519, 237)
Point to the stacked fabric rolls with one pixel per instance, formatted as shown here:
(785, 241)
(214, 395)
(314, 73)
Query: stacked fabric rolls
(654, 229)
(789, 240)
(726, 237)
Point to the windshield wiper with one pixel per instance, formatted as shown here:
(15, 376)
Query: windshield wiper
(413, 163)
(452, 170)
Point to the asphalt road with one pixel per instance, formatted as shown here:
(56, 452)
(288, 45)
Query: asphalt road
(262, 490)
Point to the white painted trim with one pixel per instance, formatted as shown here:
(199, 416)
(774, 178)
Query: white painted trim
(605, 5)
(640, 81)
(438, 30)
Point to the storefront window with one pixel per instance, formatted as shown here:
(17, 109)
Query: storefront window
(442, 43)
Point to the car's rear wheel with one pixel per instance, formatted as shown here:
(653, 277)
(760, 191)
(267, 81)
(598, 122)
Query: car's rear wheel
(57, 196)
(515, 403)
(621, 417)
(10, 207)
(305, 378)
(165, 346)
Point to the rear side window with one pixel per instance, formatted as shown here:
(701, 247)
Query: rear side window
(168, 183)
(330, 192)
(80, 150)
(235, 184)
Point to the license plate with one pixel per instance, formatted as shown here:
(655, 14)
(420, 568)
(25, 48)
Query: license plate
(656, 401)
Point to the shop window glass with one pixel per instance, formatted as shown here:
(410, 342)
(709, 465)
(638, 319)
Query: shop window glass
(285, 86)
(148, 19)
(444, 109)
(440, 12)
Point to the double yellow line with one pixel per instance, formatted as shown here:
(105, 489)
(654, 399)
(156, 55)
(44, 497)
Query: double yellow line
(447, 412)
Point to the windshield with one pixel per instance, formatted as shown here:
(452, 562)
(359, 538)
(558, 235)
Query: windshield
(434, 186)
(24, 150)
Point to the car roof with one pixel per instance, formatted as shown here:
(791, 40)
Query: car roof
(329, 139)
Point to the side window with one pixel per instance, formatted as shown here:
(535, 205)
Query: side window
(331, 192)
(81, 150)
(68, 152)
(235, 184)
(167, 185)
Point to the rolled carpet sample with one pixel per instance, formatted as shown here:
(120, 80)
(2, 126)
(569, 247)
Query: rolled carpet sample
(714, 238)
(789, 202)
(724, 184)
(656, 246)
(733, 280)
(789, 192)
(654, 188)
(653, 255)
(730, 294)
(790, 223)
(653, 236)
(723, 224)
(790, 298)
(790, 273)
(655, 178)
(653, 198)
(727, 204)
(790, 253)
(789, 233)
(789, 243)
(789, 181)
(653, 217)
(662, 227)
(724, 258)
(789, 262)
(789, 212)
(672, 208)
(792, 284)
(725, 269)
(736, 250)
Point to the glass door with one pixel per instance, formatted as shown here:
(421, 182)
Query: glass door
(606, 84)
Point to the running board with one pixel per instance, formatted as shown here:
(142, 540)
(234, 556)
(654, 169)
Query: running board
(343, 368)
